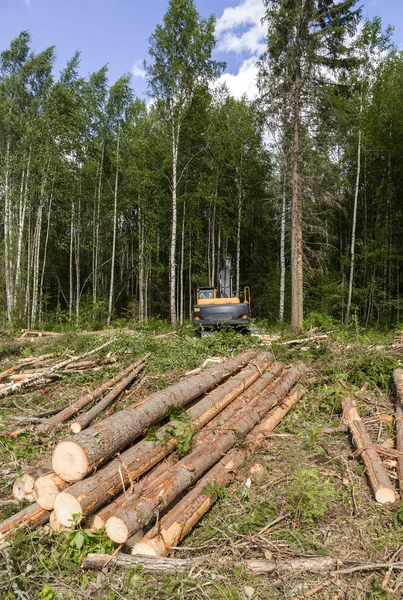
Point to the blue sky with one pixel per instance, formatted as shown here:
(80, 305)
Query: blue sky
(117, 32)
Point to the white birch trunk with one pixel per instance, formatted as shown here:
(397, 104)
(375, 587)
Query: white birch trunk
(115, 218)
(353, 229)
(7, 271)
(71, 260)
(172, 283)
(21, 226)
(182, 291)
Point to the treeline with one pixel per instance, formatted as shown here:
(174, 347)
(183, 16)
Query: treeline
(113, 207)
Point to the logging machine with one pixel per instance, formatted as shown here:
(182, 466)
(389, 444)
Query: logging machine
(216, 307)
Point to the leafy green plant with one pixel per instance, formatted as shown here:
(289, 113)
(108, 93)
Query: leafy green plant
(256, 516)
(214, 489)
(309, 496)
(376, 369)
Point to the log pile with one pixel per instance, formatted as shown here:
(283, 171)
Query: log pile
(123, 472)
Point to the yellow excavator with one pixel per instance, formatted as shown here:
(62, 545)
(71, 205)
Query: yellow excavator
(216, 307)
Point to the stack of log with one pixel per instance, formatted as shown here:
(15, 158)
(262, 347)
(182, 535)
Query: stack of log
(107, 477)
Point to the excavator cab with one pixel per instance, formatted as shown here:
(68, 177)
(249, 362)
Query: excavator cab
(216, 307)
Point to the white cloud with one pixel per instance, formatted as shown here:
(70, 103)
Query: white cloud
(240, 30)
(27, 2)
(138, 69)
(243, 82)
(248, 12)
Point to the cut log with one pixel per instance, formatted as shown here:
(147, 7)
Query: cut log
(77, 456)
(131, 517)
(398, 381)
(158, 564)
(377, 473)
(86, 496)
(30, 517)
(75, 407)
(266, 383)
(265, 428)
(33, 379)
(177, 523)
(55, 525)
(23, 487)
(98, 520)
(85, 419)
(46, 488)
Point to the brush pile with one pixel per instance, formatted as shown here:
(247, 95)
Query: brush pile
(139, 464)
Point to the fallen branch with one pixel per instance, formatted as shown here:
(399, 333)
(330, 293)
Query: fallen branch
(84, 420)
(33, 379)
(314, 338)
(67, 412)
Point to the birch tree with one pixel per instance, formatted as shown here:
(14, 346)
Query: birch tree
(180, 52)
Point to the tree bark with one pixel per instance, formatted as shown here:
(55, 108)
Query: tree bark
(264, 429)
(172, 259)
(88, 449)
(52, 423)
(398, 381)
(84, 420)
(282, 249)
(377, 473)
(30, 517)
(176, 524)
(98, 520)
(131, 517)
(115, 219)
(353, 228)
(88, 495)
(296, 219)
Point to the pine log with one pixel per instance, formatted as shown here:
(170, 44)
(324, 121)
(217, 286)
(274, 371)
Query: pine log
(132, 516)
(78, 455)
(266, 383)
(30, 517)
(398, 381)
(46, 488)
(158, 564)
(33, 379)
(98, 520)
(376, 471)
(72, 409)
(86, 496)
(84, 420)
(55, 525)
(265, 428)
(23, 487)
(177, 523)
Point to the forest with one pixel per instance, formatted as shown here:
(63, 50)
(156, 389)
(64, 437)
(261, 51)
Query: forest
(114, 208)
